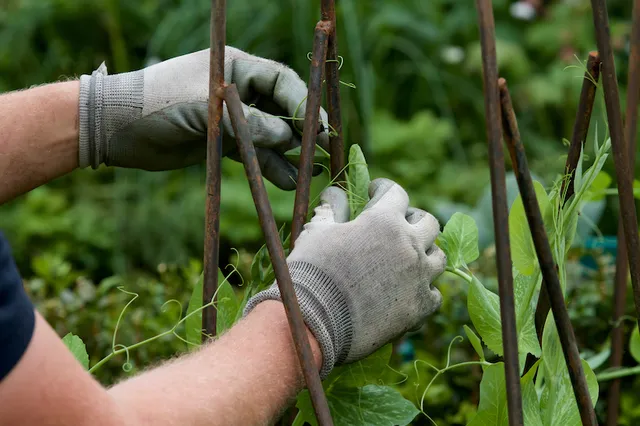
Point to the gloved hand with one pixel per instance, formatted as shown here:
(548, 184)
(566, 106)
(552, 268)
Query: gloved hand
(156, 118)
(364, 282)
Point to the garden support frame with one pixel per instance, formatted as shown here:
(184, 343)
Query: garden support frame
(623, 145)
(323, 61)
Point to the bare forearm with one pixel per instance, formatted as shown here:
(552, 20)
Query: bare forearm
(38, 137)
(246, 378)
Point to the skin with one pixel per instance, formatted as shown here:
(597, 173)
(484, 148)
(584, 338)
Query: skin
(246, 377)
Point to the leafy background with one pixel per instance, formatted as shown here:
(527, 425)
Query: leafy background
(417, 112)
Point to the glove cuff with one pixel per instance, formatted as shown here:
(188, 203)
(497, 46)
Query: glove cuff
(324, 310)
(107, 104)
(90, 114)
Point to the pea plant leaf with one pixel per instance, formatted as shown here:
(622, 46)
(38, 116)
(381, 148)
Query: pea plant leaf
(557, 402)
(362, 372)
(227, 309)
(475, 341)
(484, 310)
(459, 240)
(77, 348)
(357, 181)
(523, 254)
(634, 344)
(366, 406)
(601, 182)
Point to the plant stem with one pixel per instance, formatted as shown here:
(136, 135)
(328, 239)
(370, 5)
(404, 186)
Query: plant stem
(617, 373)
(459, 272)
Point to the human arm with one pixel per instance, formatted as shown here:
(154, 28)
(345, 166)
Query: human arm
(38, 137)
(246, 377)
(152, 119)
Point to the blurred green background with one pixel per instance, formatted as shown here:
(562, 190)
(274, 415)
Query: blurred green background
(417, 111)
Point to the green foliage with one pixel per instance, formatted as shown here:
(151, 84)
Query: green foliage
(357, 181)
(77, 348)
(459, 240)
(634, 344)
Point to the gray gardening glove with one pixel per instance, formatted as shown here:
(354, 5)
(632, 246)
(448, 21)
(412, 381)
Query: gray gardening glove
(365, 282)
(156, 118)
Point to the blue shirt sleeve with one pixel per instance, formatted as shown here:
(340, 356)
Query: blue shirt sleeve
(17, 317)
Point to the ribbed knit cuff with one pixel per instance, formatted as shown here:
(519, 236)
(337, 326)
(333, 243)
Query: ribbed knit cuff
(324, 310)
(90, 113)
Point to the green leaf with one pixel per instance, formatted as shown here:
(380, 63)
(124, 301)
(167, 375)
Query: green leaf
(77, 348)
(577, 181)
(193, 324)
(636, 189)
(459, 240)
(319, 156)
(523, 253)
(228, 307)
(475, 341)
(358, 181)
(492, 409)
(530, 403)
(362, 372)
(484, 310)
(371, 405)
(601, 182)
(634, 344)
(557, 402)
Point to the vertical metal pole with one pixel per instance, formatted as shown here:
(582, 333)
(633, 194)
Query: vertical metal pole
(310, 129)
(278, 258)
(500, 211)
(622, 267)
(545, 258)
(618, 146)
(332, 74)
(214, 155)
(578, 138)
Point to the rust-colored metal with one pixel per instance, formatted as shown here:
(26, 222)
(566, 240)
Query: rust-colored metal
(500, 211)
(578, 138)
(545, 258)
(332, 75)
(583, 118)
(276, 252)
(622, 267)
(214, 156)
(310, 130)
(618, 146)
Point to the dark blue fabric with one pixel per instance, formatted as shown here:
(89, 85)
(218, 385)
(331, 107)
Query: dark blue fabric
(17, 317)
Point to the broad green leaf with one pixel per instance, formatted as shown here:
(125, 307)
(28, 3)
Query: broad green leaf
(77, 348)
(634, 344)
(358, 181)
(193, 323)
(530, 403)
(475, 342)
(484, 310)
(523, 253)
(228, 306)
(226, 312)
(362, 372)
(492, 409)
(636, 188)
(459, 240)
(557, 402)
(601, 182)
(371, 405)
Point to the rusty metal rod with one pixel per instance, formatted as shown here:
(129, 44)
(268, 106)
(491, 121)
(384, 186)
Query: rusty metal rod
(214, 155)
(578, 138)
(310, 129)
(276, 252)
(618, 146)
(332, 75)
(500, 211)
(545, 258)
(622, 267)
